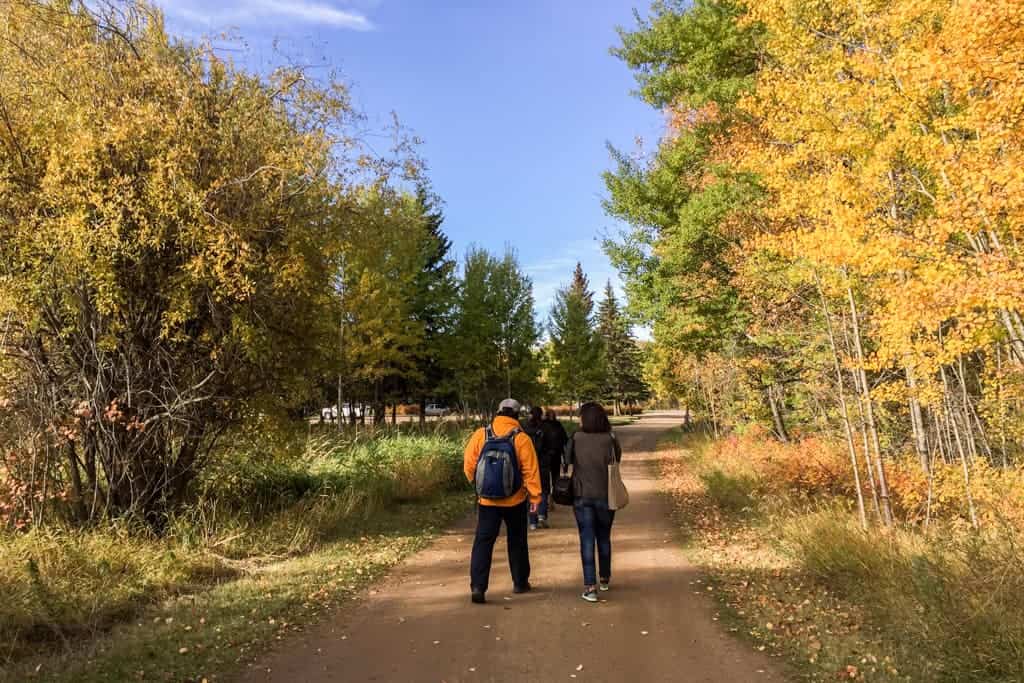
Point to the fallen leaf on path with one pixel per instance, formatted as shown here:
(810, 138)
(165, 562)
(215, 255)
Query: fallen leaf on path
(579, 668)
(643, 633)
(437, 642)
(182, 650)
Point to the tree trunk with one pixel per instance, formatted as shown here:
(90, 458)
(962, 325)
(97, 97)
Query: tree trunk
(78, 504)
(773, 403)
(423, 410)
(883, 488)
(951, 417)
(843, 409)
(917, 419)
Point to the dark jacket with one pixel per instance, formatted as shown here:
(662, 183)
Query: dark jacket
(590, 455)
(535, 430)
(554, 440)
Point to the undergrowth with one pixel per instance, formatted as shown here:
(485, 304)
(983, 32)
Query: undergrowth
(259, 502)
(775, 527)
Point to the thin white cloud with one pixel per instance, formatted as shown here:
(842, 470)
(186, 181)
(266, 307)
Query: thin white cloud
(261, 11)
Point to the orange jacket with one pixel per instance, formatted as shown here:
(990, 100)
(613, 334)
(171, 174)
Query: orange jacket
(524, 453)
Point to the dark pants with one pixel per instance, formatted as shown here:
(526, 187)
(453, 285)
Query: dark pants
(545, 496)
(594, 520)
(488, 525)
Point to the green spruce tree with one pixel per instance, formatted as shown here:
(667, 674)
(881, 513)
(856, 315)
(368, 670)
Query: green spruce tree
(577, 360)
(434, 298)
(623, 361)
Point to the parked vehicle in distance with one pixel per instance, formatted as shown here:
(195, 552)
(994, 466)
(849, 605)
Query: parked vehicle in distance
(330, 413)
(347, 409)
(437, 410)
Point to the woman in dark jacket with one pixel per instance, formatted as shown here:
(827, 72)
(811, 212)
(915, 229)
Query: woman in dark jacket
(590, 451)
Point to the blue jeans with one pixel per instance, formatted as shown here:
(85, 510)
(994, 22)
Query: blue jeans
(594, 520)
(542, 508)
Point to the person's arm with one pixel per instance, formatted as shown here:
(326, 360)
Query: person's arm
(472, 454)
(529, 466)
(569, 453)
(617, 447)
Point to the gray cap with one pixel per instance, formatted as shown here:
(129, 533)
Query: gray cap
(509, 403)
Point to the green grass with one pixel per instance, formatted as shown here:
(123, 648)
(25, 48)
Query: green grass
(803, 580)
(211, 633)
(953, 603)
(283, 526)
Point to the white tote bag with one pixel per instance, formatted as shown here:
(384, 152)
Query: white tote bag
(618, 496)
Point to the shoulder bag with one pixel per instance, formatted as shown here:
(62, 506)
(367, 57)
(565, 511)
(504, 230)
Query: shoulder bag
(618, 496)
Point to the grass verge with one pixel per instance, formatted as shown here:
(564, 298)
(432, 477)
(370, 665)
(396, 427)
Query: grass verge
(280, 527)
(207, 635)
(794, 573)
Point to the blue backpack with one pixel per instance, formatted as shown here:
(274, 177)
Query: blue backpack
(497, 471)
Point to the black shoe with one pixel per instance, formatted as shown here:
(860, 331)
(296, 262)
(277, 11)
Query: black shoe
(525, 588)
(478, 597)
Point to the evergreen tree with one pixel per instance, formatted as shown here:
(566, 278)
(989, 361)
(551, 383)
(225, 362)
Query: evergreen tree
(434, 297)
(623, 362)
(576, 372)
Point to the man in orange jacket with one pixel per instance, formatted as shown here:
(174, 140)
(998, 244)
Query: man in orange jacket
(513, 510)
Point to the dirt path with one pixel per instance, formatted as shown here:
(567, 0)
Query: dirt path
(419, 625)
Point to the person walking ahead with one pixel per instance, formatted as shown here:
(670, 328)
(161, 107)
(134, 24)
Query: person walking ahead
(501, 461)
(590, 451)
(534, 429)
(553, 445)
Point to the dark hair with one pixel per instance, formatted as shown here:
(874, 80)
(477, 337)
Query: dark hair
(536, 413)
(593, 419)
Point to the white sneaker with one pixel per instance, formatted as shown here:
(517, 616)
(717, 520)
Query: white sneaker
(604, 587)
(533, 527)
(589, 595)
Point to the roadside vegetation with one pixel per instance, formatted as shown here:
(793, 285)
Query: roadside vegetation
(826, 242)
(278, 531)
(774, 528)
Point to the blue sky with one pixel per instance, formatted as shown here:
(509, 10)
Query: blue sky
(514, 100)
